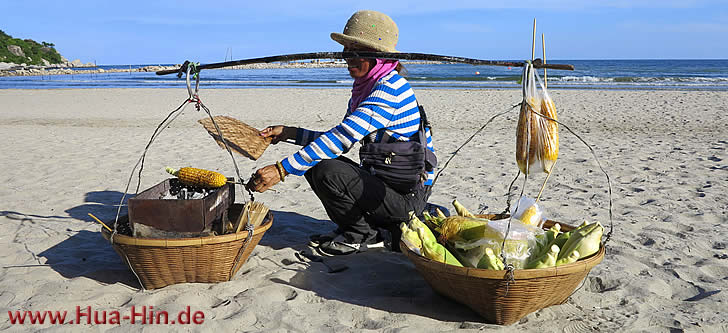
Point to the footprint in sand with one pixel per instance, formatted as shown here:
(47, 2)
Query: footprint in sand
(578, 327)
(599, 285)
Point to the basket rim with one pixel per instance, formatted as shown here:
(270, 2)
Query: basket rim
(194, 241)
(582, 265)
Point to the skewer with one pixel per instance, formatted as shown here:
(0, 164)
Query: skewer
(545, 180)
(99, 221)
(543, 48)
(533, 41)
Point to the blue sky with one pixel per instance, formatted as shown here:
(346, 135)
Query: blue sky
(159, 32)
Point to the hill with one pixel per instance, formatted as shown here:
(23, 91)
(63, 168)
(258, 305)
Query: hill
(14, 50)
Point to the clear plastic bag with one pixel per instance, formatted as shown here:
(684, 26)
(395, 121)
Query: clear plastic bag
(528, 212)
(537, 137)
(519, 244)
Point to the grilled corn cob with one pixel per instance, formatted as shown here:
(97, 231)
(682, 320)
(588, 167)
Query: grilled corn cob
(537, 138)
(199, 177)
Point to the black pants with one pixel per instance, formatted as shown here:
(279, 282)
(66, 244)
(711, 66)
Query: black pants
(360, 203)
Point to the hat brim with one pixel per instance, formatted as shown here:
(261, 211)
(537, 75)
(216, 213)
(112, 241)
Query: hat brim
(354, 42)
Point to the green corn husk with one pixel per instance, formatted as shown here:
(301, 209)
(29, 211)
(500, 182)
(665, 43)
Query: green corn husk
(411, 238)
(435, 223)
(440, 214)
(586, 245)
(552, 232)
(460, 228)
(435, 251)
(415, 224)
(574, 256)
(490, 261)
(473, 236)
(460, 209)
(576, 236)
(564, 236)
(546, 260)
(545, 241)
(464, 257)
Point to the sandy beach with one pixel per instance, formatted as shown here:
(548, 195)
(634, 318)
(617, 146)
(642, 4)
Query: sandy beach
(69, 152)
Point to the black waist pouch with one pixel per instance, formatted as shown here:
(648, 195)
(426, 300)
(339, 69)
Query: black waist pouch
(402, 165)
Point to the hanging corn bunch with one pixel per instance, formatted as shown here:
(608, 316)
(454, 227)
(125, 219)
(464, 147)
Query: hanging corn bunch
(537, 137)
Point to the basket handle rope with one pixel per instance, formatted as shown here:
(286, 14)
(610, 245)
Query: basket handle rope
(193, 98)
(191, 70)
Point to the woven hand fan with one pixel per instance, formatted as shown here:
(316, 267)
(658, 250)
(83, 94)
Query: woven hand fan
(240, 137)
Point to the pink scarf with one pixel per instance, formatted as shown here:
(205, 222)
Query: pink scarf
(363, 86)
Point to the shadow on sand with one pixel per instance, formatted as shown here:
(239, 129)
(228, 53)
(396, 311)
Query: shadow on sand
(85, 253)
(378, 278)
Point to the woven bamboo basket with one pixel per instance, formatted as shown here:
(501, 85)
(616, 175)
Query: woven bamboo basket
(162, 262)
(488, 292)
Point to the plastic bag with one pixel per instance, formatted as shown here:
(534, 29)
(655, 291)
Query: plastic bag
(519, 244)
(537, 138)
(528, 212)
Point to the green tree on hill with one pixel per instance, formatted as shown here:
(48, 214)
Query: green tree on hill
(31, 51)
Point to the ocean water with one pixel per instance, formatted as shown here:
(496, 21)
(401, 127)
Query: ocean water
(588, 74)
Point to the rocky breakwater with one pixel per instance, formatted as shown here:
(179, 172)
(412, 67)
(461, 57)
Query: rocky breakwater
(24, 70)
(33, 70)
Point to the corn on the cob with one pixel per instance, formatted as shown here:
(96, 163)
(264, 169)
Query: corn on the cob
(460, 228)
(537, 138)
(434, 250)
(460, 209)
(199, 177)
(586, 243)
(490, 261)
(574, 256)
(547, 259)
(410, 237)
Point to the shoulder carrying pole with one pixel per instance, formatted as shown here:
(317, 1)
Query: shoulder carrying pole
(379, 55)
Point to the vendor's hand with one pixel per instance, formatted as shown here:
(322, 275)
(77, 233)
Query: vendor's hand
(264, 178)
(278, 133)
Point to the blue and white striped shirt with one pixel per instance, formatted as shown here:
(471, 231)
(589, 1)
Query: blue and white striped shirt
(388, 114)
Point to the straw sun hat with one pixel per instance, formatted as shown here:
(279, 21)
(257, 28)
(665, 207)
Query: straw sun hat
(370, 29)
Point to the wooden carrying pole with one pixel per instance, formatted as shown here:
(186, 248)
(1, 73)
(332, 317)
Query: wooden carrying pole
(353, 54)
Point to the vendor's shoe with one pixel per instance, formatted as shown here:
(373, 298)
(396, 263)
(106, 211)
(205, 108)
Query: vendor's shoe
(318, 239)
(334, 248)
(340, 246)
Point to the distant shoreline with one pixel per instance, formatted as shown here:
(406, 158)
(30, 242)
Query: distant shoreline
(33, 70)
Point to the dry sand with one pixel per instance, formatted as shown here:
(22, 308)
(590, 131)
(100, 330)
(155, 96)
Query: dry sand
(69, 152)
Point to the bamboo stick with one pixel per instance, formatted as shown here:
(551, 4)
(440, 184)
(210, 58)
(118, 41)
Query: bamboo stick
(543, 48)
(546, 180)
(99, 221)
(533, 41)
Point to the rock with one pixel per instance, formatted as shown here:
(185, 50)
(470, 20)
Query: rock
(45, 62)
(16, 50)
(101, 70)
(76, 63)
(6, 65)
